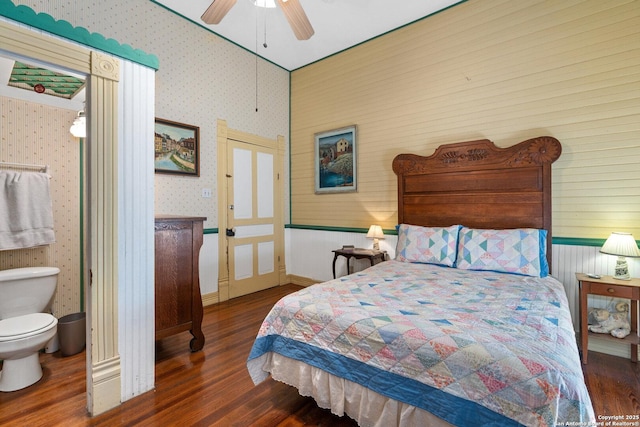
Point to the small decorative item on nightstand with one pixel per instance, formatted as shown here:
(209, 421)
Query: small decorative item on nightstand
(623, 245)
(375, 233)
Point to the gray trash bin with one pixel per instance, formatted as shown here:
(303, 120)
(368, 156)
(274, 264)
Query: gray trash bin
(71, 333)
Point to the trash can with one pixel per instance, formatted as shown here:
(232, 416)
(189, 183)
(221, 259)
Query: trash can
(71, 333)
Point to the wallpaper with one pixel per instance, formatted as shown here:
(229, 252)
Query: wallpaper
(201, 78)
(37, 134)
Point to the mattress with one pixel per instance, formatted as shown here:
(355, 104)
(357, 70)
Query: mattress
(403, 343)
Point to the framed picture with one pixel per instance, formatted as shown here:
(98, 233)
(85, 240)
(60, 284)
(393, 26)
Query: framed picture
(177, 148)
(336, 161)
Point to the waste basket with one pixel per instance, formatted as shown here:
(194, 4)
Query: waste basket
(71, 333)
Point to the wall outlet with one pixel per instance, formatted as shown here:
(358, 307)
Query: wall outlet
(206, 192)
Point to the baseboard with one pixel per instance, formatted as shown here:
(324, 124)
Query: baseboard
(301, 281)
(210, 299)
(105, 391)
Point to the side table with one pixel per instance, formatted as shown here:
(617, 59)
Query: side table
(609, 287)
(358, 253)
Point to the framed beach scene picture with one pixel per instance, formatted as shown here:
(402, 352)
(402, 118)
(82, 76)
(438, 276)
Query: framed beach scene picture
(177, 148)
(336, 160)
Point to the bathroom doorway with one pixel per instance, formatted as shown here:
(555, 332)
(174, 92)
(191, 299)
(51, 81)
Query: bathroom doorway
(39, 103)
(101, 230)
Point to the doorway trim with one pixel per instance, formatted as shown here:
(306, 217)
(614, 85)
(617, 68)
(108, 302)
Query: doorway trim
(224, 134)
(103, 360)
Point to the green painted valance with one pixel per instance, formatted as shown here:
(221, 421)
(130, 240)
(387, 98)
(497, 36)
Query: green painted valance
(44, 22)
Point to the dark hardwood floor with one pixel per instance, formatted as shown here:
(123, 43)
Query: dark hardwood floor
(213, 388)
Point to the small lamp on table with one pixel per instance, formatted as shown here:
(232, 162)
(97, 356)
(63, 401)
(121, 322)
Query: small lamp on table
(623, 245)
(375, 233)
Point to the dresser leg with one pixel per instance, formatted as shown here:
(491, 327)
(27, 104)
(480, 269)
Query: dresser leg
(197, 342)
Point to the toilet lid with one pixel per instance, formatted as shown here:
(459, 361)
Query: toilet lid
(24, 326)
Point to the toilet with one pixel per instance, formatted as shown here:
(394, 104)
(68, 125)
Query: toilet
(26, 295)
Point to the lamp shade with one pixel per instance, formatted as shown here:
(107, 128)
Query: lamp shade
(621, 244)
(375, 232)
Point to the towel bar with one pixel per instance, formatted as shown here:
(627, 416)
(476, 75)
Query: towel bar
(43, 168)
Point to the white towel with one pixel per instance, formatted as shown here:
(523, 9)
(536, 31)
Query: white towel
(26, 214)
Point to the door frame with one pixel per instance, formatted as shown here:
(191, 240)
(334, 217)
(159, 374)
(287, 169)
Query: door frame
(225, 134)
(101, 243)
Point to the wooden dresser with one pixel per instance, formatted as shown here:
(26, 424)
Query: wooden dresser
(177, 285)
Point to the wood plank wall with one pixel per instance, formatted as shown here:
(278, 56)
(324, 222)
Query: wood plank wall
(495, 69)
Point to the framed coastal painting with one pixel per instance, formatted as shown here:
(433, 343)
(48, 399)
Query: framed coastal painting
(177, 148)
(335, 153)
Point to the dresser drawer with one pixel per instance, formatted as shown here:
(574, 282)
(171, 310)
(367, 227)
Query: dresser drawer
(611, 290)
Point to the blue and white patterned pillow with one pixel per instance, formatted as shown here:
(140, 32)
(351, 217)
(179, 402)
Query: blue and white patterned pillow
(428, 245)
(520, 251)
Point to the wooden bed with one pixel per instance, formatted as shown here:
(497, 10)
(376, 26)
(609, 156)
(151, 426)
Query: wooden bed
(479, 185)
(412, 342)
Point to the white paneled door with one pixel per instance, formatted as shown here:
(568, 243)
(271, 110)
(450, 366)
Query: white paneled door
(252, 232)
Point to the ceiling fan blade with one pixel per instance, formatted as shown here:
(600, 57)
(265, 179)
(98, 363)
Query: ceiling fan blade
(217, 10)
(297, 18)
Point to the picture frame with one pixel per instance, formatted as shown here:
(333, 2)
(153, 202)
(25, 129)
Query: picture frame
(177, 148)
(336, 161)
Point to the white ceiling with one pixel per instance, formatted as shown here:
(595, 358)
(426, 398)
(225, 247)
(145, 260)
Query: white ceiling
(338, 25)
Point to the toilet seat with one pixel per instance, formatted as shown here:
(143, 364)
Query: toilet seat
(15, 328)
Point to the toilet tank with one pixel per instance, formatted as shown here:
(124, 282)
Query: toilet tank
(27, 290)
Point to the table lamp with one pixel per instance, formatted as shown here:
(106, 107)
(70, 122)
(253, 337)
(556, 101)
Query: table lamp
(623, 245)
(375, 233)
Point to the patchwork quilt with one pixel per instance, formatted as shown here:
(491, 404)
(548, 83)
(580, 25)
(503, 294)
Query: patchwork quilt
(472, 347)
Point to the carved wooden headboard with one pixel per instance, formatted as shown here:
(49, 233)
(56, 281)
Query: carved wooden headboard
(479, 185)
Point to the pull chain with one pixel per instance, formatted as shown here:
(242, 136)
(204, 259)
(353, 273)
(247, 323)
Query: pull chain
(265, 29)
(264, 44)
(256, 61)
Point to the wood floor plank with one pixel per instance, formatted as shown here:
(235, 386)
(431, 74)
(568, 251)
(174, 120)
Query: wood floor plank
(212, 387)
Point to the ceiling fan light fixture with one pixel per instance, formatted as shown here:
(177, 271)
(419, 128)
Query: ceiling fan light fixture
(292, 10)
(265, 3)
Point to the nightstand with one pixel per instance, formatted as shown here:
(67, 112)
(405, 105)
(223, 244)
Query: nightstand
(358, 253)
(609, 287)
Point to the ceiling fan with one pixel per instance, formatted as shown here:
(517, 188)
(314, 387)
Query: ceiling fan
(292, 11)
